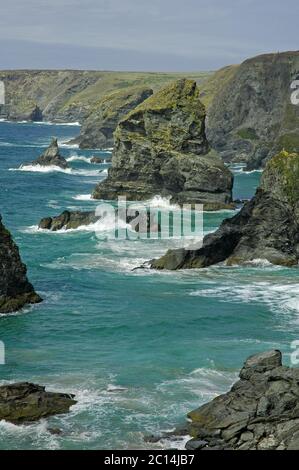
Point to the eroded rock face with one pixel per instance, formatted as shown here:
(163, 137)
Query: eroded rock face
(98, 128)
(25, 402)
(161, 148)
(251, 117)
(260, 412)
(51, 157)
(15, 289)
(267, 227)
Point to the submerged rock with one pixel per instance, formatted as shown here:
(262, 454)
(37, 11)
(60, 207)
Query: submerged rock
(26, 402)
(51, 156)
(161, 148)
(96, 160)
(98, 128)
(260, 412)
(267, 227)
(15, 289)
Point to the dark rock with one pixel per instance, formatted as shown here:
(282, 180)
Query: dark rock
(98, 128)
(236, 416)
(161, 148)
(15, 289)
(96, 160)
(51, 156)
(195, 444)
(26, 402)
(267, 227)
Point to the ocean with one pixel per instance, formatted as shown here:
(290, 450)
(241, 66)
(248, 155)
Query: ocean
(139, 349)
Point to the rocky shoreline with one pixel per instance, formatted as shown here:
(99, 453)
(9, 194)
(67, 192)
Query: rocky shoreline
(15, 289)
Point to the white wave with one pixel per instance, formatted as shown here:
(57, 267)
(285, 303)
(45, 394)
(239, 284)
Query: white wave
(50, 123)
(83, 197)
(42, 169)
(78, 158)
(55, 169)
(116, 388)
(161, 202)
(66, 144)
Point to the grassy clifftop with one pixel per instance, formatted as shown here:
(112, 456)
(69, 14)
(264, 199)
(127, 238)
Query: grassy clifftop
(68, 95)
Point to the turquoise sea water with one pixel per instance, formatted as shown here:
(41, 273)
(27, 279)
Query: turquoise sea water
(139, 349)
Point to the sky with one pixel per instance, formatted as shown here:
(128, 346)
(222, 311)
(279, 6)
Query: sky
(143, 35)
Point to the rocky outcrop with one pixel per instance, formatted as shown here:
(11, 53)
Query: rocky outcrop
(51, 157)
(96, 160)
(98, 128)
(15, 289)
(251, 117)
(161, 148)
(26, 402)
(71, 220)
(260, 412)
(267, 227)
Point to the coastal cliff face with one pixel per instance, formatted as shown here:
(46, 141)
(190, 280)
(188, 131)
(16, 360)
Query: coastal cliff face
(15, 289)
(260, 412)
(250, 114)
(70, 95)
(161, 148)
(98, 128)
(267, 227)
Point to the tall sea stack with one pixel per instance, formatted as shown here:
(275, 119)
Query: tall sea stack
(160, 148)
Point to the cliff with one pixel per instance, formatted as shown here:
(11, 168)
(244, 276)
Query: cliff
(15, 289)
(267, 227)
(69, 95)
(98, 128)
(161, 148)
(250, 114)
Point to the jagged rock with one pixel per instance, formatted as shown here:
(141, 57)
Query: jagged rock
(98, 128)
(51, 156)
(97, 160)
(15, 289)
(69, 220)
(261, 411)
(26, 402)
(251, 117)
(267, 227)
(161, 148)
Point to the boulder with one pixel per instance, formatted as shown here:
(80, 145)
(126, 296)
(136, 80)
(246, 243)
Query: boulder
(160, 148)
(15, 289)
(51, 157)
(26, 402)
(267, 227)
(97, 160)
(260, 412)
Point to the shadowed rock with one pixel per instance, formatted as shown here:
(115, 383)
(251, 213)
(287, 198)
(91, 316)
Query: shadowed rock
(160, 148)
(15, 289)
(267, 227)
(25, 402)
(51, 157)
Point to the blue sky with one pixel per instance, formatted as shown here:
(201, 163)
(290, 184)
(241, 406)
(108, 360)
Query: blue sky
(157, 35)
